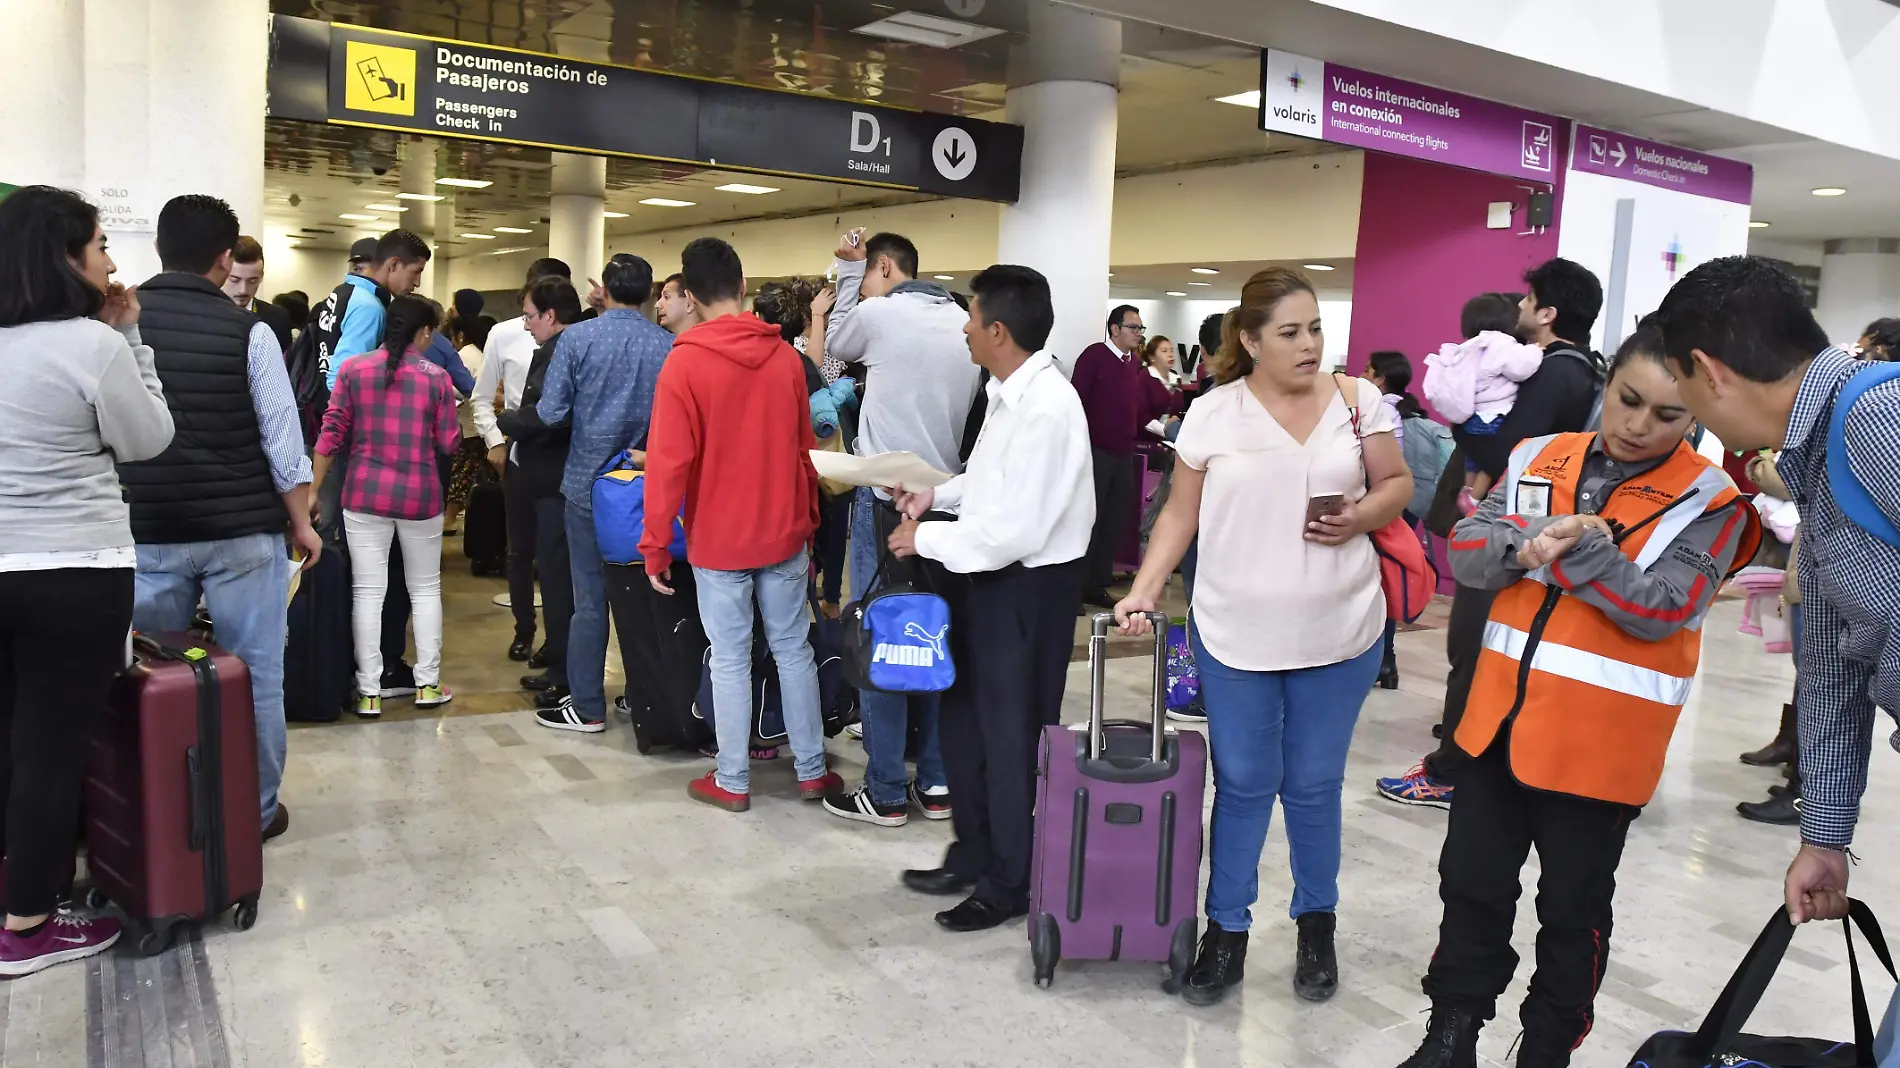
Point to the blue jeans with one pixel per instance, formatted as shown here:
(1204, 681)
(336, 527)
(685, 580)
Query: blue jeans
(587, 633)
(1278, 734)
(886, 716)
(725, 608)
(245, 583)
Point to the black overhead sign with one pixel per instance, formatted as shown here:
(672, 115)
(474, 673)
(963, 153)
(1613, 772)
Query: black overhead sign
(327, 72)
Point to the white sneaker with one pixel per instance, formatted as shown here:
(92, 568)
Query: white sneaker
(856, 730)
(565, 717)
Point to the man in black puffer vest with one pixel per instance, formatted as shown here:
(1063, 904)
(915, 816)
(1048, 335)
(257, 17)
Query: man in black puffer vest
(210, 514)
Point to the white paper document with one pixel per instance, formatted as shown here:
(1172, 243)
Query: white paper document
(885, 470)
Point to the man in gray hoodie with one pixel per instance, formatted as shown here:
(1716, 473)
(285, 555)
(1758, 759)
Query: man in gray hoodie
(918, 389)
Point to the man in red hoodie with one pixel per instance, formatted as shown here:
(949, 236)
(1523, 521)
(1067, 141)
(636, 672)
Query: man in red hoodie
(731, 439)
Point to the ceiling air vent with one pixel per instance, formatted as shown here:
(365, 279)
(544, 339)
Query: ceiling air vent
(927, 30)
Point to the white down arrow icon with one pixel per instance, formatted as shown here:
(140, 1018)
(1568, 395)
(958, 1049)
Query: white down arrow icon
(1618, 154)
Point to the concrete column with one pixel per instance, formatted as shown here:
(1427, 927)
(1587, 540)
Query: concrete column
(577, 223)
(174, 104)
(1064, 92)
(43, 64)
(1860, 282)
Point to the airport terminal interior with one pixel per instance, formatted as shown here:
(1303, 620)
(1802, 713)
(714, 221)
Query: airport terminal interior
(458, 886)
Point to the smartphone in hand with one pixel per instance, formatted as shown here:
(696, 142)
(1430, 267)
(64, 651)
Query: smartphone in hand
(1324, 504)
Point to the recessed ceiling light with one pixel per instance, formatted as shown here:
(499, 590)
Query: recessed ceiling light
(1248, 99)
(1204, 270)
(464, 183)
(946, 278)
(1756, 224)
(357, 217)
(419, 196)
(1829, 191)
(1111, 274)
(1200, 283)
(929, 30)
(506, 251)
(1318, 266)
(667, 202)
(385, 207)
(512, 230)
(741, 187)
(613, 214)
(1176, 293)
(480, 237)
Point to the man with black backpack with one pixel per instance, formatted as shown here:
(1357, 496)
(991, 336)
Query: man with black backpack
(1560, 306)
(918, 391)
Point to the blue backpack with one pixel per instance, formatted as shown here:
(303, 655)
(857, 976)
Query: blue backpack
(1850, 496)
(897, 640)
(620, 511)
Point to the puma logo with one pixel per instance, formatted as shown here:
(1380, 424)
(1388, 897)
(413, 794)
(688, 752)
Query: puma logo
(935, 641)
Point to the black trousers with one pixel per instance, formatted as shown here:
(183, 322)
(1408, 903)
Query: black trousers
(1494, 823)
(1011, 634)
(1464, 640)
(395, 638)
(557, 581)
(834, 535)
(62, 641)
(1114, 497)
(523, 525)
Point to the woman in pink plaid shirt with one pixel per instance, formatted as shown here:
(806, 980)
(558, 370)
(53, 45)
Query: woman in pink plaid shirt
(392, 414)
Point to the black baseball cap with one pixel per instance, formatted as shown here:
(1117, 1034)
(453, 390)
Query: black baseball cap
(363, 250)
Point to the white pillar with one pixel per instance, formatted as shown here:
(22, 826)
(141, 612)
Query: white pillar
(43, 81)
(1060, 223)
(577, 221)
(174, 104)
(1860, 282)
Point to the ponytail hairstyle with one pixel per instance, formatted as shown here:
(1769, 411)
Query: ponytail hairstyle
(406, 315)
(1395, 370)
(1262, 293)
(1644, 343)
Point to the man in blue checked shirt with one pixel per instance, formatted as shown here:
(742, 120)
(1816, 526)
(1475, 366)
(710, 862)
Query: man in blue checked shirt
(602, 381)
(1759, 372)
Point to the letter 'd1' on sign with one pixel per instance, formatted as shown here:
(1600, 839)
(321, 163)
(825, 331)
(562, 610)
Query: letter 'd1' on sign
(865, 133)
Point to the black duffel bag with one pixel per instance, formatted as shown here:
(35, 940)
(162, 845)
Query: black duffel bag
(1720, 1040)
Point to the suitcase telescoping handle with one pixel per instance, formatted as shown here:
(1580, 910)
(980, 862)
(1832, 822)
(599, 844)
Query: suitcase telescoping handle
(1098, 679)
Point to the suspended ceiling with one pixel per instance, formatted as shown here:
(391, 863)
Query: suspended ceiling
(315, 173)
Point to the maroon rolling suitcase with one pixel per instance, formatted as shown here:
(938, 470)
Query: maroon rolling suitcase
(172, 826)
(1118, 832)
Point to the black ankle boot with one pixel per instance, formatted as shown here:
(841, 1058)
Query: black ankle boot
(1315, 966)
(1779, 751)
(1451, 1041)
(1220, 964)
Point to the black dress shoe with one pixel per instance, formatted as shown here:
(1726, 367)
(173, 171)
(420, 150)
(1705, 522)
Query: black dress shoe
(1098, 598)
(539, 661)
(536, 683)
(976, 914)
(279, 822)
(1782, 809)
(551, 697)
(940, 882)
(521, 649)
(1389, 677)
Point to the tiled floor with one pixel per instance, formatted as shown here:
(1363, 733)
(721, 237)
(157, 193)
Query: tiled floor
(472, 890)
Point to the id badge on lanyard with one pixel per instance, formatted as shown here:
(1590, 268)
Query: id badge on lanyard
(1532, 498)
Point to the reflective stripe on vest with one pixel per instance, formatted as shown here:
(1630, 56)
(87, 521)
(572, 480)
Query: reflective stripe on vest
(1594, 669)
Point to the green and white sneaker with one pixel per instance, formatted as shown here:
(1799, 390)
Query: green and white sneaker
(433, 696)
(369, 705)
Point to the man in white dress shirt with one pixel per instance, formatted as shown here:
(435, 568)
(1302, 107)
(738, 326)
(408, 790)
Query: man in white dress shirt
(1025, 506)
(505, 361)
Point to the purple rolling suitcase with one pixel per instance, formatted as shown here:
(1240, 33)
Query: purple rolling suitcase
(1118, 833)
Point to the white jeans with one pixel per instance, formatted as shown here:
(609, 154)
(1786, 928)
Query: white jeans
(369, 537)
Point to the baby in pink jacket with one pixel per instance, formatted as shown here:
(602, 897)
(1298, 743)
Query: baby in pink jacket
(1473, 384)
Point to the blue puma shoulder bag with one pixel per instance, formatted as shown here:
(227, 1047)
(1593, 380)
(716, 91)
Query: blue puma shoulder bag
(619, 498)
(897, 640)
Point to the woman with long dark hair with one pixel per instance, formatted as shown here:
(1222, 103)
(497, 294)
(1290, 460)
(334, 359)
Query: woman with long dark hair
(394, 411)
(82, 395)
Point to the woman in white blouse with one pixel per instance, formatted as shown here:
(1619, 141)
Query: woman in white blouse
(1284, 472)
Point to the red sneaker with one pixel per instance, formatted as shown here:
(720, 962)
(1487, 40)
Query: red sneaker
(823, 786)
(63, 937)
(706, 789)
